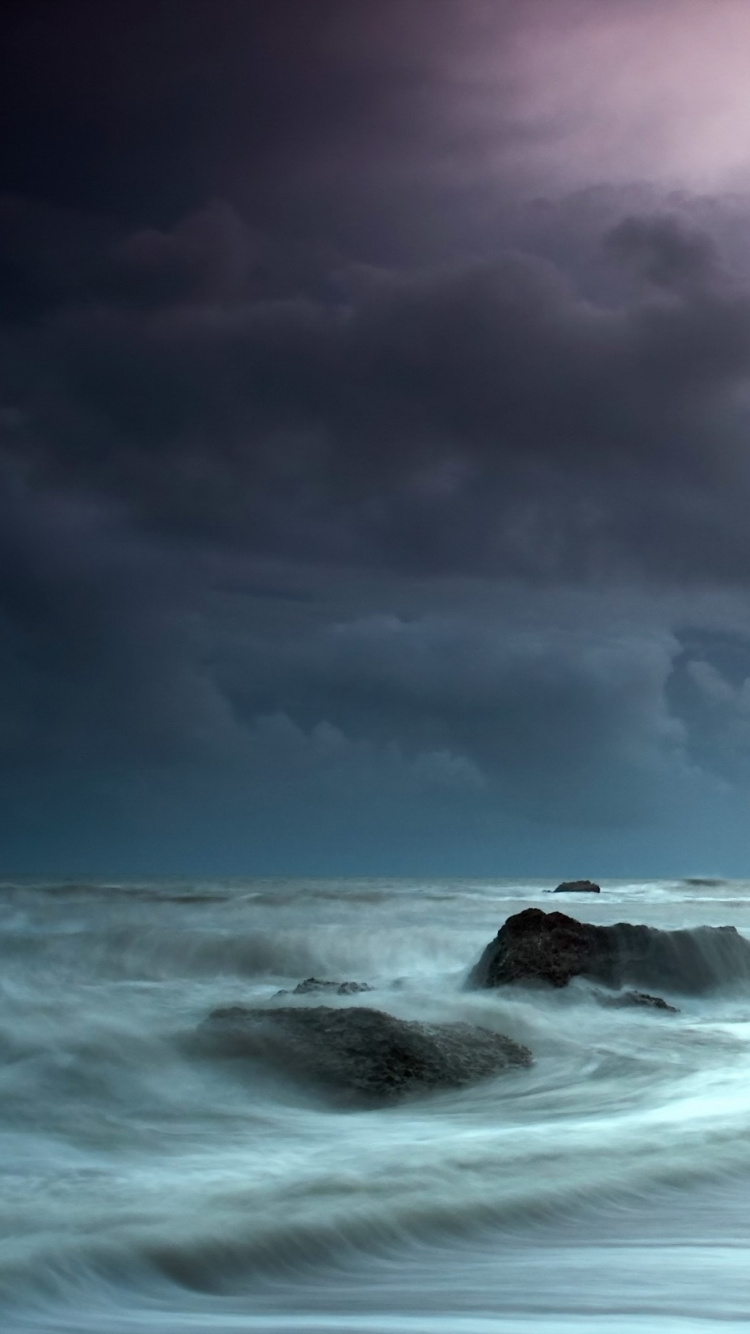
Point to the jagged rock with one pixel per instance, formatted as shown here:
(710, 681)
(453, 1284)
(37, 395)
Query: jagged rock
(553, 948)
(548, 947)
(578, 887)
(314, 984)
(362, 1052)
(620, 1000)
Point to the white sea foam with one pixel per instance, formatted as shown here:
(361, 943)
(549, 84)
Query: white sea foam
(145, 1187)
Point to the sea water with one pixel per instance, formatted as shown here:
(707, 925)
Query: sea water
(146, 1188)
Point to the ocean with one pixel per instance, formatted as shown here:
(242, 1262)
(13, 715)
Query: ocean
(147, 1188)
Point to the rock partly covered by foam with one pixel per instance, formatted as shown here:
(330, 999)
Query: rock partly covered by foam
(314, 985)
(360, 1052)
(578, 887)
(626, 1000)
(553, 948)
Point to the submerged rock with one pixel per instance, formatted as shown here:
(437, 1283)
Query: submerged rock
(553, 948)
(621, 1000)
(314, 984)
(362, 1052)
(578, 887)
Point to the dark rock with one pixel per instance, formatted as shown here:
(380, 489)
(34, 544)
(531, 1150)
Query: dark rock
(314, 984)
(362, 1052)
(620, 1000)
(548, 947)
(578, 887)
(553, 948)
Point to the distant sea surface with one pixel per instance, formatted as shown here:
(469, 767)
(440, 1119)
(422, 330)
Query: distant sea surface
(145, 1188)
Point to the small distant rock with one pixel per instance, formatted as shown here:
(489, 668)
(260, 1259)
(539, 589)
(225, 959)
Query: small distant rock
(312, 985)
(361, 1053)
(578, 887)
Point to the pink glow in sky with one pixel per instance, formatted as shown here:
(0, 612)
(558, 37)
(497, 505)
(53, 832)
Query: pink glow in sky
(656, 90)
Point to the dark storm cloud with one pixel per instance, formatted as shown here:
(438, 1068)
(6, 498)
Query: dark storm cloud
(142, 111)
(207, 257)
(670, 256)
(298, 385)
(102, 645)
(482, 416)
(398, 129)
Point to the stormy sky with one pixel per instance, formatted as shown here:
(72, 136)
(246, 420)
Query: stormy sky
(375, 437)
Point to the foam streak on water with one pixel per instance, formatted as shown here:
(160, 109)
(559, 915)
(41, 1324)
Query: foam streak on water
(146, 1187)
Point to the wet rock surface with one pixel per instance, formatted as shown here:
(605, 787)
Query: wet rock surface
(625, 1000)
(534, 946)
(364, 1054)
(314, 985)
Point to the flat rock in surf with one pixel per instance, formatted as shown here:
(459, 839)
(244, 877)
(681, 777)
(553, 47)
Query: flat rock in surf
(578, 887)
(362, 1053)
(313, 985)
(534, 946)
